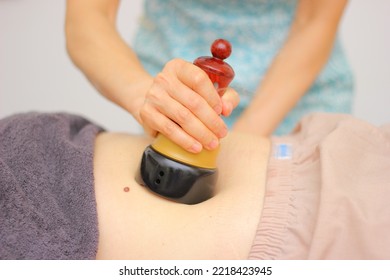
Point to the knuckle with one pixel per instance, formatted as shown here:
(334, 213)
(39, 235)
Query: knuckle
(216, 124)
(195, 103)
(205, 137)
(175, 63)
(168, 129)
(161, 79)
(183, 116)
(200, 77)
(154, 95)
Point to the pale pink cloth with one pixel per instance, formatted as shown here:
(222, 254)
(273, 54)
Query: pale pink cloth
(328, 193)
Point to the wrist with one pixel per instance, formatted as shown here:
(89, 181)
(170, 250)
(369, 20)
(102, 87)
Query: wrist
(132, 96)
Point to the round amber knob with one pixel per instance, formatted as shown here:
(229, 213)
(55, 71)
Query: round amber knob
(221, 49)
(219, 72)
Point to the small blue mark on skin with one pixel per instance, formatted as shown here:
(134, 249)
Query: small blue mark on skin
(283, 151)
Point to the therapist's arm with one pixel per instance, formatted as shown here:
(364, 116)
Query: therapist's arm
(180, 102)
(98, 50)
(296, 66)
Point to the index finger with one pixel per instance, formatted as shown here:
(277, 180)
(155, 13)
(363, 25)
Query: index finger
(198, 80)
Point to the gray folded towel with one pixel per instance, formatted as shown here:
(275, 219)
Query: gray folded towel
(47, 198)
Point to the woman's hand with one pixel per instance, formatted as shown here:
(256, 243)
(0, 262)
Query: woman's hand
(183, 105)
(181, 102)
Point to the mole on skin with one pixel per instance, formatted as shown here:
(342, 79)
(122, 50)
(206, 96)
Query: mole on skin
(126, 189)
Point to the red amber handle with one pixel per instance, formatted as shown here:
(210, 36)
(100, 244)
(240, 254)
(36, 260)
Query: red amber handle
(219, 72)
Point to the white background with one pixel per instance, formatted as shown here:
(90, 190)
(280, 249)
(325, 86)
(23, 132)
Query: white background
(36, 73)
(281, 270)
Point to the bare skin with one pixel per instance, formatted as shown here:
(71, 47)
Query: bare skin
(137, 224)
(96, 47)
(302, 57)
(180, 102)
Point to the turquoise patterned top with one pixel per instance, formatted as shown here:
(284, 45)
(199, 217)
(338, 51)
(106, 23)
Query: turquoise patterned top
(256, 30)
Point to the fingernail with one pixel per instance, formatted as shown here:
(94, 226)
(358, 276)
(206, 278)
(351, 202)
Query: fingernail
(196, 147)
(213, 144)
(223, 131)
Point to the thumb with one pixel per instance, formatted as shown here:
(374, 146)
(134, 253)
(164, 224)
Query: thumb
(230, 100)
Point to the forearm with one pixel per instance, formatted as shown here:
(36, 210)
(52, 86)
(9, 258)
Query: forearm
(296, 66)
(99, 52)
(290, 75)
